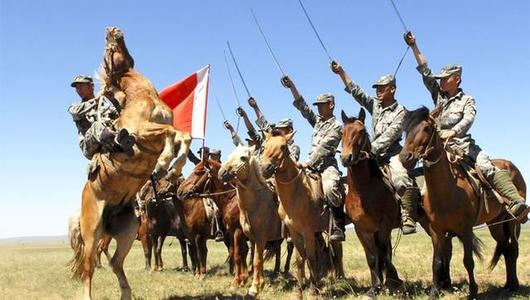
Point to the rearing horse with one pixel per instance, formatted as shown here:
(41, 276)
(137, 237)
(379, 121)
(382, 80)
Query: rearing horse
(301, 210)
(453, 208)
(107, 197)
(369, 203)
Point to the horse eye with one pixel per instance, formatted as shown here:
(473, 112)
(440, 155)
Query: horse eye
(244, 158)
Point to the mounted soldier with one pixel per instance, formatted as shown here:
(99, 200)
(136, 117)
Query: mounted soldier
(387, 126)
(94, 118)
(455, 112)
(327, 133)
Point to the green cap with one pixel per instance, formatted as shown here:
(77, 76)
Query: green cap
(81, 79)
(324, 98)
(385, 80)
(285, 123)
(449, 70)
(214, 151)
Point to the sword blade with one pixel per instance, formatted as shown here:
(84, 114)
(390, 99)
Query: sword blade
(267, 43)
(237, 68)
(399, 16)
(231, 79)
(314, 30)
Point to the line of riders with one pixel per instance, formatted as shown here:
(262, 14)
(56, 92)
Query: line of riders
(454, 113)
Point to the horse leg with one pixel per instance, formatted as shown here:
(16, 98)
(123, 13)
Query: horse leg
(392, 280)
(148, 246)
(161, 240)
(469, 264)
(290, 247)
(154, 241)
(371, 252)
(240, 255)
(106, 248)
(439, 242)
(91, 229)
(128, 227)
(252, 253)
(277, 256)
(337, 259)
(202, 253)
(299, 258)
(313, 264)
(445, 276)
(506, 236)
(235, 259)
(257, 276)
(184, 254)
(229, 243)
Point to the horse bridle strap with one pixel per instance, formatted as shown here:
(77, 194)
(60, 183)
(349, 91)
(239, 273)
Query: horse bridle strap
(290, 180)
(366, 155)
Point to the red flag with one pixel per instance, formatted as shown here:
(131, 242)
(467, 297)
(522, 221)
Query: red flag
(188, 99)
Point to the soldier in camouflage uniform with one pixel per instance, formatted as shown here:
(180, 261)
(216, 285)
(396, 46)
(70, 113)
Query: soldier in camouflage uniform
(94, 118)
(387, 125)
(457, 113)
(327, 133)
(284, 127)
(215, 155)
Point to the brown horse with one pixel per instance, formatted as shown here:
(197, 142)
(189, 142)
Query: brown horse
(257, 206)
(107, 196)
(164, 218)
(204, 180)
(453, 208)
(301, 209)
(369, 203)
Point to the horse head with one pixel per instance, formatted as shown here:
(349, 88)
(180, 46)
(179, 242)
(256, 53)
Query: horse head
(275, 152)
(116, 59)
(355, 139)
(200, 180)
(421, 137)
(237, 165)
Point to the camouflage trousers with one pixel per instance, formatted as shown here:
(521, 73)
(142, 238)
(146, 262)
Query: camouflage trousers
(399, 175)
(331, 186)
(90, 143)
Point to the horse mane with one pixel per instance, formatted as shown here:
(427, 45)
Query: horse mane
(415, 117)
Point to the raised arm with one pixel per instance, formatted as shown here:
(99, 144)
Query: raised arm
(194, 159)
(352, 88)
(235, 138)
(262, 123)
(428, 78)
(299, 102)
(251, 130)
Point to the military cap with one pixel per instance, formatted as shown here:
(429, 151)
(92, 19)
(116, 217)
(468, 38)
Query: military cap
(385, 80)
(214, 151)
(81, 79)
(324, 98)
(206, 149)
(284, 123)
(448, 71)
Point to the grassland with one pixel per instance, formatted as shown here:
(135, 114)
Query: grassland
(38, 271)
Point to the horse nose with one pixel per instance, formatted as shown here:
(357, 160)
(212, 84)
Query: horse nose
(346, 159)
(224, 175)
(267, 170)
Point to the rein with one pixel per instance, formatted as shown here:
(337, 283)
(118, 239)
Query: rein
(365, 154)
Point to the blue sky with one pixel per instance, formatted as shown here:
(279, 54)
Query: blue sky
(44, 44)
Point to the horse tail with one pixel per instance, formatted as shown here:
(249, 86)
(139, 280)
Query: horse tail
(270, 249)
(77, 244)
(502, 247)
(324, 256)
(477, 246)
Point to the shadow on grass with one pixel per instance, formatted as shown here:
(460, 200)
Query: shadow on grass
(496, 292)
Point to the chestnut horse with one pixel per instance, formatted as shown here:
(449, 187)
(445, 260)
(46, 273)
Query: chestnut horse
(453, 208)
(204, 179)
(370, 204)
(301, 209)
(258, 207)
(107, 196)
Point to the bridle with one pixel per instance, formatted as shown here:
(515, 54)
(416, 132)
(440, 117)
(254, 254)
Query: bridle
(428, 150)
(362, 154)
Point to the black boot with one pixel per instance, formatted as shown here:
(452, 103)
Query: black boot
(338, 228)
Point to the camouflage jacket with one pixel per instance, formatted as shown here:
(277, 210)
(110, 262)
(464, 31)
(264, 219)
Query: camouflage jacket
(387, 122)
(325, 139)
(456, 113)
(85, 113)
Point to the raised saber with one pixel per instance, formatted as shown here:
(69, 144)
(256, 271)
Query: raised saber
(231, 80)
(315, 30)
(267, 43)
(237, 68)
(220, 108)
(399, 16)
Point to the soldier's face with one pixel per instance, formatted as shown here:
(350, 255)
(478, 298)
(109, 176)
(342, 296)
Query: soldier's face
(326, 109)
(450, 84)
(284, 130)
(85, 90)
(385, 92)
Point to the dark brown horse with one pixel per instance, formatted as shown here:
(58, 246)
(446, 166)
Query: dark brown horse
(369, 203)
(204, 180)
(164, 217)
(453, 208)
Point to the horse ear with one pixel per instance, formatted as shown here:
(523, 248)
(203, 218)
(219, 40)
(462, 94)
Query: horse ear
(345, 118)
(289, 136)
(362, 115)
(268, 135)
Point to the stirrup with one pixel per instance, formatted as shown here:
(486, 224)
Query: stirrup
(337, 235)
(219, 237)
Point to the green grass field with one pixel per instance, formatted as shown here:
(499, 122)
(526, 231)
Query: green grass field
(38, 271)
